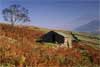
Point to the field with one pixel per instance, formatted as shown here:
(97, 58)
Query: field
(18, 48)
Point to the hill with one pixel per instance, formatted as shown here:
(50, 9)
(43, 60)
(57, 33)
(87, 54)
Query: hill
(18, 48)
(91, 27)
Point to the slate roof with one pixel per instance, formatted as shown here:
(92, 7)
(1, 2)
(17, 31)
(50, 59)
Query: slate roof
(66, 35)
(63, 34)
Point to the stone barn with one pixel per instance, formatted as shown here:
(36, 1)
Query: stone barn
(57, 38)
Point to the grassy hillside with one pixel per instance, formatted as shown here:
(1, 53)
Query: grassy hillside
(90, 39)
(18, 48)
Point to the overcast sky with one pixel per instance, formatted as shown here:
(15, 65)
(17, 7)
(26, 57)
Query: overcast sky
(57, 14)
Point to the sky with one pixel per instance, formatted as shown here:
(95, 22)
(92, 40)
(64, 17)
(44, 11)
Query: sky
(57, 14)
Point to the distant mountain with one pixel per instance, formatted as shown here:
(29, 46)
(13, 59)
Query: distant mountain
(91, 27)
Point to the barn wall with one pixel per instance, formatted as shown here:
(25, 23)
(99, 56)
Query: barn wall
(68, 42)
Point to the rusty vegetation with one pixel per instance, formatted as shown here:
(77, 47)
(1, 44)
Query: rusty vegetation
(18, 48)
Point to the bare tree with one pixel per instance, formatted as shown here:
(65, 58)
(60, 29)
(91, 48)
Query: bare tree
(15, 14)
